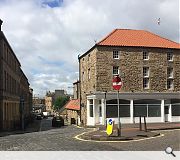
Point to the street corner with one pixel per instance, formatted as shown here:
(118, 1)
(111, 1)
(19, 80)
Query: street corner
(101, 136)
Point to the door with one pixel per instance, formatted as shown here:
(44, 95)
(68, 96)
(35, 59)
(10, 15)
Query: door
(166, 112)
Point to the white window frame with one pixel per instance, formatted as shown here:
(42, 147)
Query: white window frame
(115, 54)
(169, 72)
(116, 68)
(145, 55)
(145, 72)
(146, 83)
(170, 84)
(170, 56)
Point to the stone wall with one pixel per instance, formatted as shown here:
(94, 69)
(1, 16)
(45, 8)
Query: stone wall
(87, 85)
(72, 114)
(131, 65)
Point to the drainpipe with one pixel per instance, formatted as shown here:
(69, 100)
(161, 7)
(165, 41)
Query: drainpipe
(79, 87)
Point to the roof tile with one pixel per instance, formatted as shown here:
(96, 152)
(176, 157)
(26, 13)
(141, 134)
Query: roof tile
(73, 104)
(137, 38)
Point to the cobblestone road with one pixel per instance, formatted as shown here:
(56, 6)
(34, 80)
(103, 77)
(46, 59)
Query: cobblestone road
(49, 139)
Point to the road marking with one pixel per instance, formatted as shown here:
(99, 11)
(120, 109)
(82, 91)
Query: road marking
(136, 140)
(169, 130)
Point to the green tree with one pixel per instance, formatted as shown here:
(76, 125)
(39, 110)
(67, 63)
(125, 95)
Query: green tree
(60, 102)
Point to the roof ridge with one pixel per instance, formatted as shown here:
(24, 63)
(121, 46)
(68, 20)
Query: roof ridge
(115, 31)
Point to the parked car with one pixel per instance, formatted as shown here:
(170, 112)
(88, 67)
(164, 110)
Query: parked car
(57, 121)
(39, 117)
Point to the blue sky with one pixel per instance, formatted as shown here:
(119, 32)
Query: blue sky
(48, 35)
(52, 3)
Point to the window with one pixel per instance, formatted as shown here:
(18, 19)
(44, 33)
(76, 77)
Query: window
(170, 56)
(145, 71)
(169, 72)
(140, 110)
(89, 74)
(88, 57)
(175, 109)
(100, 111)
(91, 107)
(115, 70)
(154, 111)
(145, 55)
(82, 76)
(111, 111)
(115, 54)
(145, 83)
(170, 84)
(145, 77)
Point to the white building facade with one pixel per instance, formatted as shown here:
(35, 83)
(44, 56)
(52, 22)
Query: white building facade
(156, 107)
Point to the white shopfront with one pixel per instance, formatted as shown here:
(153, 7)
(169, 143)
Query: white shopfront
(156, 107)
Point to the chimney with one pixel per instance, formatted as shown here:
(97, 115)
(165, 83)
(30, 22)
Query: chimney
(0, 24)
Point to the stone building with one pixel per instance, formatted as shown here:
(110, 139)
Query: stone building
(15, 94)
(49, 101)
(149, 67)
(73, 111)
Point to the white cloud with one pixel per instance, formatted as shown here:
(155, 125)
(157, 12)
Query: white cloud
(48, 40)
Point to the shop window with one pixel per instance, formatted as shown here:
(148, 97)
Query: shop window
(111, 111)
(175, 109)
(154, 111)
(140, 110)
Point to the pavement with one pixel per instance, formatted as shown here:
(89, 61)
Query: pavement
(128, 132)
(32, 127)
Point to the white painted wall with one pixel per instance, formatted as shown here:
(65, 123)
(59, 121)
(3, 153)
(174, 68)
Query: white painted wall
(175, 118)
(148, 119)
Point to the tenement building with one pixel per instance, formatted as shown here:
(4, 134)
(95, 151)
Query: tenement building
(15, 94)
(149, 67)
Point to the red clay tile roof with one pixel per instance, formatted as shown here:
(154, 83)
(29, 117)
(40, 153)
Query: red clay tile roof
(73, 104)
(137, 38)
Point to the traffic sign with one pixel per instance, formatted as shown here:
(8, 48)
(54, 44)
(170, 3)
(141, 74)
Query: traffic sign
(117, 83)
(109, 129)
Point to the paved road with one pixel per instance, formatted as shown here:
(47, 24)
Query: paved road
(49, 139)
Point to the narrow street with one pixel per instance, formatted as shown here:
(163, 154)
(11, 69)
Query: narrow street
(62, 139)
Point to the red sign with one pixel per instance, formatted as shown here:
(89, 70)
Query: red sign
(117, 83)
